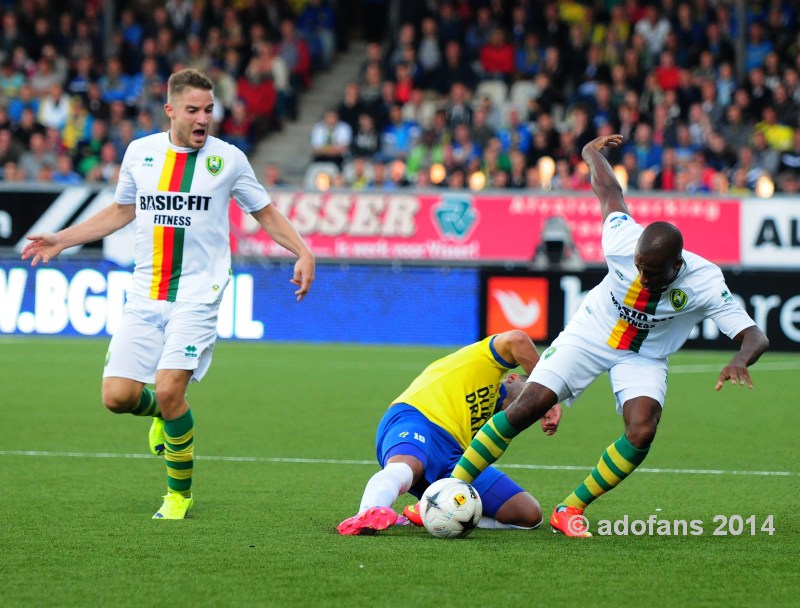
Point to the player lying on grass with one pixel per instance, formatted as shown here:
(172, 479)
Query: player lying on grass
(642, 312)
(425, 431)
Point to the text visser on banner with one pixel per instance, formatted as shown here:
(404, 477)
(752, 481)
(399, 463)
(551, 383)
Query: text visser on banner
(478, 228)
(772, 299)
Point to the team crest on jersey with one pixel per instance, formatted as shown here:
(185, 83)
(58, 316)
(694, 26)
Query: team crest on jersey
(214, 164)
(678, 299)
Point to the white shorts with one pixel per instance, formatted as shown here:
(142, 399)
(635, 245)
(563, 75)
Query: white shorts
(572, 363)
(154, 334)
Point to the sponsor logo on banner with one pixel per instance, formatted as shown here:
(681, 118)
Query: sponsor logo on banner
(771, 233)
(517, 303)
(455, 217)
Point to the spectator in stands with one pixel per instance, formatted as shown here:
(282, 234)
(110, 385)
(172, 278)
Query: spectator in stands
(11, 80)
(366, 142)
(107, 169)
(515, 135)
(10, 149)
(295, 52)
(425, 153)
(257, 90)
(238, 127)
(317, 23)
(789, 159)
(36, 156)
(497, 57)
(454, 68)
(274, 66)
(778, 136)
(64, 173)
(398, 136)
(351, 105)
(654, 28)
(764, 155)
(54, 108)
(429, 52)
(458, 108)
(330, 138)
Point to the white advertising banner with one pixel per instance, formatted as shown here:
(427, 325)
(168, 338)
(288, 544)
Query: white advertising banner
(770, 233)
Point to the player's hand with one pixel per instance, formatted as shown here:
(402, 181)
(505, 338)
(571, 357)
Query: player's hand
(42, 247)
(603, 141)
(736, 374)
(303, 275)
(551, 419)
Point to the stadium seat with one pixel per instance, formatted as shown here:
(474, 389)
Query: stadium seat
(496, 90)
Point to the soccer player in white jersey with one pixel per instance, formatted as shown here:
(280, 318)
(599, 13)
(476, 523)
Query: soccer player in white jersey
(177, 187)
(642, 311)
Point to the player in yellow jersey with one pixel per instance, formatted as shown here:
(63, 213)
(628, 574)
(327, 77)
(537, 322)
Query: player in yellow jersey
(425, 430)
(177, 187)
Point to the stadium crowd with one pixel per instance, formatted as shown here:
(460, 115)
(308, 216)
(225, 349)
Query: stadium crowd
(462, 93)
(72, 97)
(505, 94)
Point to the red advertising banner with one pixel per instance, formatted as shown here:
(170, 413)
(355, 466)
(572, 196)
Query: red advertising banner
(480, 228)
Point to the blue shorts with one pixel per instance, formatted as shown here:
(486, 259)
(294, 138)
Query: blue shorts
(403, 430)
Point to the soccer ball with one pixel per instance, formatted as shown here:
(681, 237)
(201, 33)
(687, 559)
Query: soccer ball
(450, 508)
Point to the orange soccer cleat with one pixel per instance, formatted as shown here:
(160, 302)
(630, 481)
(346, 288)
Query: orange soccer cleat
(412, 513)
(570, 522)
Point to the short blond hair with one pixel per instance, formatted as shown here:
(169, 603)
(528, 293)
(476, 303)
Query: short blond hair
(187, 79)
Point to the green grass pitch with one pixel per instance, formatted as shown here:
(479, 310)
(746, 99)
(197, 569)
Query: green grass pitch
(284, 445)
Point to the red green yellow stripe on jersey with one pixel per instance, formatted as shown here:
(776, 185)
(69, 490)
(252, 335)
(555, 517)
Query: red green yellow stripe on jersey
(167, 262)
(178, 170)
(626, 336)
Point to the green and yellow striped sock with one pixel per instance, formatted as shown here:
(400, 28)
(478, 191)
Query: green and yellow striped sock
(147, 406)
(618, 461)
(486, 447)
(179, 452)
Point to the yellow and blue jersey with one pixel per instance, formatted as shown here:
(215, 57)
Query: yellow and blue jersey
(459, 392)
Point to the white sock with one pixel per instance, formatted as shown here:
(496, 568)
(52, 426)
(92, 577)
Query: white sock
(490, 523)
(386, 485)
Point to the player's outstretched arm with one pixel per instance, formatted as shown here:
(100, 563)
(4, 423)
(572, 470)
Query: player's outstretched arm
(604, 182)
(282, 232)
(45, 246)
(753, 344)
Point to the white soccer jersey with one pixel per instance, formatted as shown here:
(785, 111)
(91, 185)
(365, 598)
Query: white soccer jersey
(182, 197)
(623, 314)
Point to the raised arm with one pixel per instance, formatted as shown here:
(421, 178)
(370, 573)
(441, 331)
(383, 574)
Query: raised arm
(604, 182)
(47, 245)
(753, 344)
(285, 234)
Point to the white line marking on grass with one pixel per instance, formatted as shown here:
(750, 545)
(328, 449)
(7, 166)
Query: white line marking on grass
(772, 366)
(537, 467)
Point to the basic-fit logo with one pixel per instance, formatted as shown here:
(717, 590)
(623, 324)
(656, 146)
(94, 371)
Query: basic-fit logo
(455, 217)
(517, 303)
(191, 352)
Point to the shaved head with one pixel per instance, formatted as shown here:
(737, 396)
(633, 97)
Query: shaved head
(661, 238)
(658, 256)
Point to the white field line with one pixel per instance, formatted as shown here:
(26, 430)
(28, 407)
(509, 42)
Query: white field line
(257, 459)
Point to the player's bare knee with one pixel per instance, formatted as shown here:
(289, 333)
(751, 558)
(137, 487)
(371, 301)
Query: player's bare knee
(641, 435)
(118, 400)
